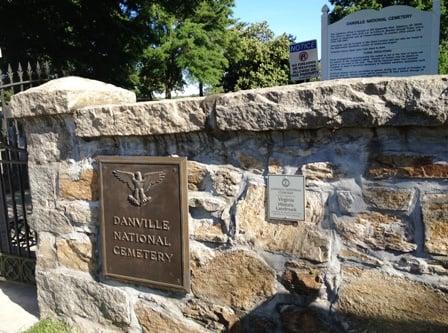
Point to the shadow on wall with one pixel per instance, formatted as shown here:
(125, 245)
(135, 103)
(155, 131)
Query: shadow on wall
(293, 313)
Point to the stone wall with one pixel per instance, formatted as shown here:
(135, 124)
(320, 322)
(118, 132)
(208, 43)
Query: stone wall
(371, 255)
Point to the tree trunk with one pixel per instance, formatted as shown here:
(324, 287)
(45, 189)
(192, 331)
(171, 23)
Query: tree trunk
(168, 93)
(201, 89)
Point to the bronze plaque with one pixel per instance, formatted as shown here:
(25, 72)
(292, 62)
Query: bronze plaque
(144, 222)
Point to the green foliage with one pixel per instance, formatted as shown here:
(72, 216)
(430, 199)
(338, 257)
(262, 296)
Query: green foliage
(101, 39)
(345, 7)
(49, 326)
(186, 47)
(256, 57)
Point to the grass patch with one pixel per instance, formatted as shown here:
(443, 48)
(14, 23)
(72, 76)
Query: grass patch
(49, 326)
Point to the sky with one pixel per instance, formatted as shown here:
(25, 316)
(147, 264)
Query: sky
(300, 18)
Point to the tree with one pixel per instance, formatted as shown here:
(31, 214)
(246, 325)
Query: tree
(345, 7)
(204, 37)
(256, 58)
(186, 47)
(101, 39)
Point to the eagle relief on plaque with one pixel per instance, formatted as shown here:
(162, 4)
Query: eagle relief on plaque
(144, 220)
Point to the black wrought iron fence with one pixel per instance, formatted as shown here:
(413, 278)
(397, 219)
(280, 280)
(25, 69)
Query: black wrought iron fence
(17, 240)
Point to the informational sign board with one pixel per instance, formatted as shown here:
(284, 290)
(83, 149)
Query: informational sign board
(303, 60)
(144, 220)
(393, 41)
(286, 197)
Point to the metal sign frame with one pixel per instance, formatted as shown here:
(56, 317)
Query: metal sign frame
(269, 196)
(181, 163)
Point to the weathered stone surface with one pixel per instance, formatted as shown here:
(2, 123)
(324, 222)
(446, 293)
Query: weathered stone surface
(251, 162)
(435, 219)
(350, 202)
(83, 188)
(146, 118)
(196, 175)
(234, 278)
(323, 171)
(79, 211)
(382, 232)
(302, 279)
(408, 263)
(378, 302)
(75, 253)
(226, 181)
(46, 252)
(255, 323)
(275, 166)
(62, 294)
(388, 198)
(49, 220)
(302, 239)
(49, 138)
(65, 95)
(80, 324)
(199, 254)
(213, 317)
(208, 230)
(155, 318)
(42, 184)
(348, 254)
(207, 201)
(300, 320)
(407, 166)
(356, 102)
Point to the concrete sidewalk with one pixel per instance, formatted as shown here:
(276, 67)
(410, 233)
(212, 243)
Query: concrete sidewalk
(18, 307)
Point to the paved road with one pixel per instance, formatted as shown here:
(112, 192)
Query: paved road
(18, 307)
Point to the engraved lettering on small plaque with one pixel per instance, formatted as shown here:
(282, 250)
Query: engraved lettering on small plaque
(144, 221)
(286, 197)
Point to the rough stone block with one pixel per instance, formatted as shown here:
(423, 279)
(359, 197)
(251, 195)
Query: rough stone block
(156, 318)
(208, 230)
(369, 102)
(83, 188)
(196, 174)
(389, 198)
(302, 279)
(302, 239)
(49, 220)
(49, 139)
(234, 278)
(62, 294)
(206, 201)
(275, 166)
(75, 254)
(226, 181)
(65, 95)
(349, 254)
(252, 162)
(79, 211)
(350, 202)
(379, 231)
(46, 252)
(214, 317)
(376, 302)
(255, 322)
(406, 166)
(302, 320)
(146, 118)
(42, 180)
(435, 219)
(323, 171)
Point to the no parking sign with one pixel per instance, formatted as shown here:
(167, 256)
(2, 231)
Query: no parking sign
(303, 60)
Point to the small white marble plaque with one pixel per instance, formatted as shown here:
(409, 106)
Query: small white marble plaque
(286, 197)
